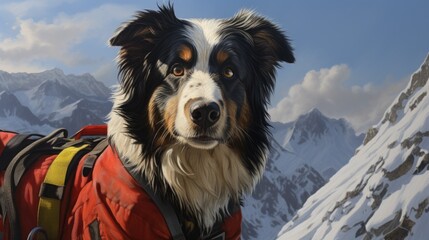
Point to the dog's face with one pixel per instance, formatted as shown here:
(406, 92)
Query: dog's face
(198, 82)
(190, 112)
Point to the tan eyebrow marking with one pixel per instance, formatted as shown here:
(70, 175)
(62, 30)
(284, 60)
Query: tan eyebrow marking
(185, 53)
(222, 56)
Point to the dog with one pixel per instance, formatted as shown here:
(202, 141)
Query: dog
(187, 138)
(190, 113)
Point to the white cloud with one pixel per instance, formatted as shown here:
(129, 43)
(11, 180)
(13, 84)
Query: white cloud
(62, 39)
(40, 40)
(327, 90)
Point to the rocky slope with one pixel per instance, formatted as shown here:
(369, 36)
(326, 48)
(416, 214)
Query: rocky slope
(383, 192)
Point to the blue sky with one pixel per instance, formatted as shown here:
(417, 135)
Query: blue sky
(353, 57)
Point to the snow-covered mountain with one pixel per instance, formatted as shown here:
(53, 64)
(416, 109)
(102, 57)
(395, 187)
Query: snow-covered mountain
(15, 116)
(311, 142)
(54, 99)
(383, 192)
(10, 106)
(323, 143)
(85, 84)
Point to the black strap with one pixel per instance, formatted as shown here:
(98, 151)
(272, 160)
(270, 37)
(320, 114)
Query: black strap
(15, 144)
(94, 230)
(12, 176)
(92, 157)
(166, 209)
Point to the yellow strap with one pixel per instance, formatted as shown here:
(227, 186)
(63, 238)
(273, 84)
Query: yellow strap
(48, 216)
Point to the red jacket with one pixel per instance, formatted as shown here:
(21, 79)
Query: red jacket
(109, 201)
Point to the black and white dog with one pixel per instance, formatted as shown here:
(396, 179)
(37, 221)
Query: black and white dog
(190, 112)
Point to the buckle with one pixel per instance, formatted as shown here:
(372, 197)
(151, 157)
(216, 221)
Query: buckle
(51, 191)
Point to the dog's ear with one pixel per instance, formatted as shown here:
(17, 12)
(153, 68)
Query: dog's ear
(270, 42)
(145, 27)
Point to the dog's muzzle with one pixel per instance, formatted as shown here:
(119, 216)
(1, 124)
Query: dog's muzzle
(201, 113)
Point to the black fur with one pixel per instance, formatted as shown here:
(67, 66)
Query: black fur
(256, 48)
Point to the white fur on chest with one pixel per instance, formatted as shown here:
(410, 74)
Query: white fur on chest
(205, 180)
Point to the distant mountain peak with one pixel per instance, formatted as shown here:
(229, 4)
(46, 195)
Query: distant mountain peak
(56, 71)
(316, 112)
(313, 123)
(313, 115)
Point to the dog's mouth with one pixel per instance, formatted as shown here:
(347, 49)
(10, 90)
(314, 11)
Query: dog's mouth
(201, 142)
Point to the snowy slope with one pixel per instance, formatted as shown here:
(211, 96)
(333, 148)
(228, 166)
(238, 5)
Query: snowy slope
(10, 106)
(311, 142)
(56, 99)
(14, 116)
(383, 192)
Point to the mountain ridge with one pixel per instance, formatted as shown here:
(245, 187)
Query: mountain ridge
(383, 192)
(56, 99)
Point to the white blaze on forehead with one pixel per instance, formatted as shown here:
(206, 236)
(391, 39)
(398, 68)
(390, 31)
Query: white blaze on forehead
(209, 28)
(201, 85)
(204, 34)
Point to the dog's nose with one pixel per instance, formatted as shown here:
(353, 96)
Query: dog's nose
(205, 114)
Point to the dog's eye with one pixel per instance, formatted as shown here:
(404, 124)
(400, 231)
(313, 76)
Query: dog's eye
(178, 70)
(228, 72)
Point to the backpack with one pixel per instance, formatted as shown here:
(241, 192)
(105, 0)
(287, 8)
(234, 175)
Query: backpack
(20, 152)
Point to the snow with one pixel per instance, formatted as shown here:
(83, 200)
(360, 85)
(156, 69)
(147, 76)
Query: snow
(13, 123)
(41, 105)
(65, 112)
(380, 191)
